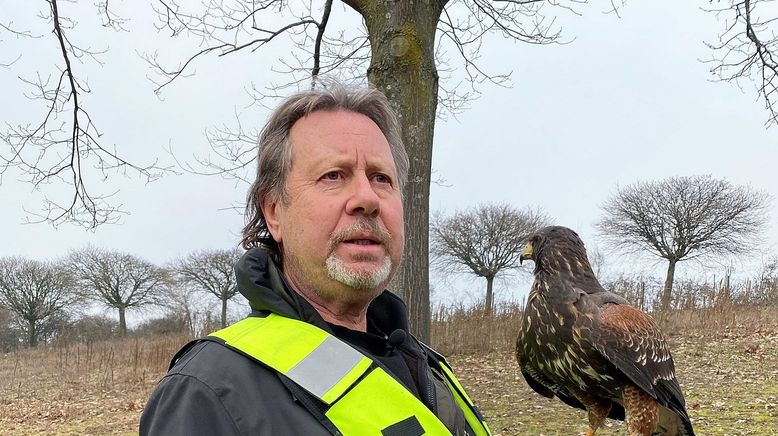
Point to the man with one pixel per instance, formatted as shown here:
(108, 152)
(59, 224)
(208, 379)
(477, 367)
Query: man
(325, 350)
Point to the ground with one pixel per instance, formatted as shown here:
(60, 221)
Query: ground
(730, 379)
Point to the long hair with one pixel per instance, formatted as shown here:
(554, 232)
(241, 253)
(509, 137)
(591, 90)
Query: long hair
(275, 150)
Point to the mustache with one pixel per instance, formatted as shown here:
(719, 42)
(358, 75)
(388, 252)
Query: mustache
(363, 225)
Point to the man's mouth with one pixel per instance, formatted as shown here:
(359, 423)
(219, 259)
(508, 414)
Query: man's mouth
(361, 242)
(362, 238)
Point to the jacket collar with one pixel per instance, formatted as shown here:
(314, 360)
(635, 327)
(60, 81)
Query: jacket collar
(264, 286)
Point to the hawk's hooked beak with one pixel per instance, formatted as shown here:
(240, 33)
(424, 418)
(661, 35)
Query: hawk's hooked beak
(526, 254)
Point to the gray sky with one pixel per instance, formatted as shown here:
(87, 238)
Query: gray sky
(626, 100)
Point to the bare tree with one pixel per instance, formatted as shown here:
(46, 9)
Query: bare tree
(64, 147)
(683, 218)
(211, 271)
(402, 48)
(486, 241)
(117, 280)
(35, 291)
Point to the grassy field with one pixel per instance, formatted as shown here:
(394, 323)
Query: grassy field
(727, 364)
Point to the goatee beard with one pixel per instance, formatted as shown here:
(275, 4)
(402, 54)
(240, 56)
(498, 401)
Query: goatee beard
(365, 280)
(360, 279)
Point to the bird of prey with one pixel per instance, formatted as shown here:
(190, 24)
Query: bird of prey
(590, 348)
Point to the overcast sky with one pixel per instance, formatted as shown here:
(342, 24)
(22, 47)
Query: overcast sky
(626, 100)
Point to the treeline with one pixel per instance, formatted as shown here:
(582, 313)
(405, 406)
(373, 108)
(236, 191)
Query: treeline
(43, 301)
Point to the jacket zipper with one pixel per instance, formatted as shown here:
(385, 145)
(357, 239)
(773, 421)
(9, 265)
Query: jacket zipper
(431, 398)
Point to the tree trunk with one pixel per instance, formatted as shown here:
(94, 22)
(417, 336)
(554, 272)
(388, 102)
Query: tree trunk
(402, 66)
(667, 292)
(224, 312)
(122, 322)
(489, 295)
(33, 338)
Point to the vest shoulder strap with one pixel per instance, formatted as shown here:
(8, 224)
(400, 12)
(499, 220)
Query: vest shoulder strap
(317, 361)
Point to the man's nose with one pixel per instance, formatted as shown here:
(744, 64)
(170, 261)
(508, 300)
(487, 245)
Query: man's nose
(364, 199)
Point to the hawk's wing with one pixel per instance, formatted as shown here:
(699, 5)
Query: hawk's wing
(548, 388)
(543, 385)
(632, 341)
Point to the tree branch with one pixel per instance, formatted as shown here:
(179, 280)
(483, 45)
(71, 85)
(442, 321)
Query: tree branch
(745, 50)
(226, 29)
(66, 151)
(319, 37)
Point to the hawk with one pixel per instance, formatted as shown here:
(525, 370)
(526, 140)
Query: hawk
(590, 348)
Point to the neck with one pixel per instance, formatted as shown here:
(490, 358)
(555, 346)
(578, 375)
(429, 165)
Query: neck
(347, 314)
(576, 270)
(354, 318)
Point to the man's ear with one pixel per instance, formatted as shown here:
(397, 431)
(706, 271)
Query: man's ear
(272, 211)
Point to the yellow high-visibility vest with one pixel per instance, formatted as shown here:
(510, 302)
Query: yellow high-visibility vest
(360, 398)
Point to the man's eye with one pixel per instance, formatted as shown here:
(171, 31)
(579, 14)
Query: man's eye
(382, 178)
(332, 175)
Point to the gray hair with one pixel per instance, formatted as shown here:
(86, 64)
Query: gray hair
(275, 150)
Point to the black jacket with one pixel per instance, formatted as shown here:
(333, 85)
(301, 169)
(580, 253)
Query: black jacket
(212, 390)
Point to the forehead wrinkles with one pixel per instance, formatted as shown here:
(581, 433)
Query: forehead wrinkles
(363, 154)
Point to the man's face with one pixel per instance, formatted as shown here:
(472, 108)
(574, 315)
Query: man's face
(341, 226)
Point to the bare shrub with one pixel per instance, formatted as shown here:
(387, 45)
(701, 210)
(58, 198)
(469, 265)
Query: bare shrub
(715, 322)
(167, 325)
(466, 330)
(10, 336)
(87, 329)
(640, 290)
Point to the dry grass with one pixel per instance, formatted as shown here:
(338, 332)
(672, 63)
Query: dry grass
(727, 363)
(84, 389)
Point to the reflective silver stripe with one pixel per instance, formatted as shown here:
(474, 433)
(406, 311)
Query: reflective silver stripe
(325, 366)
